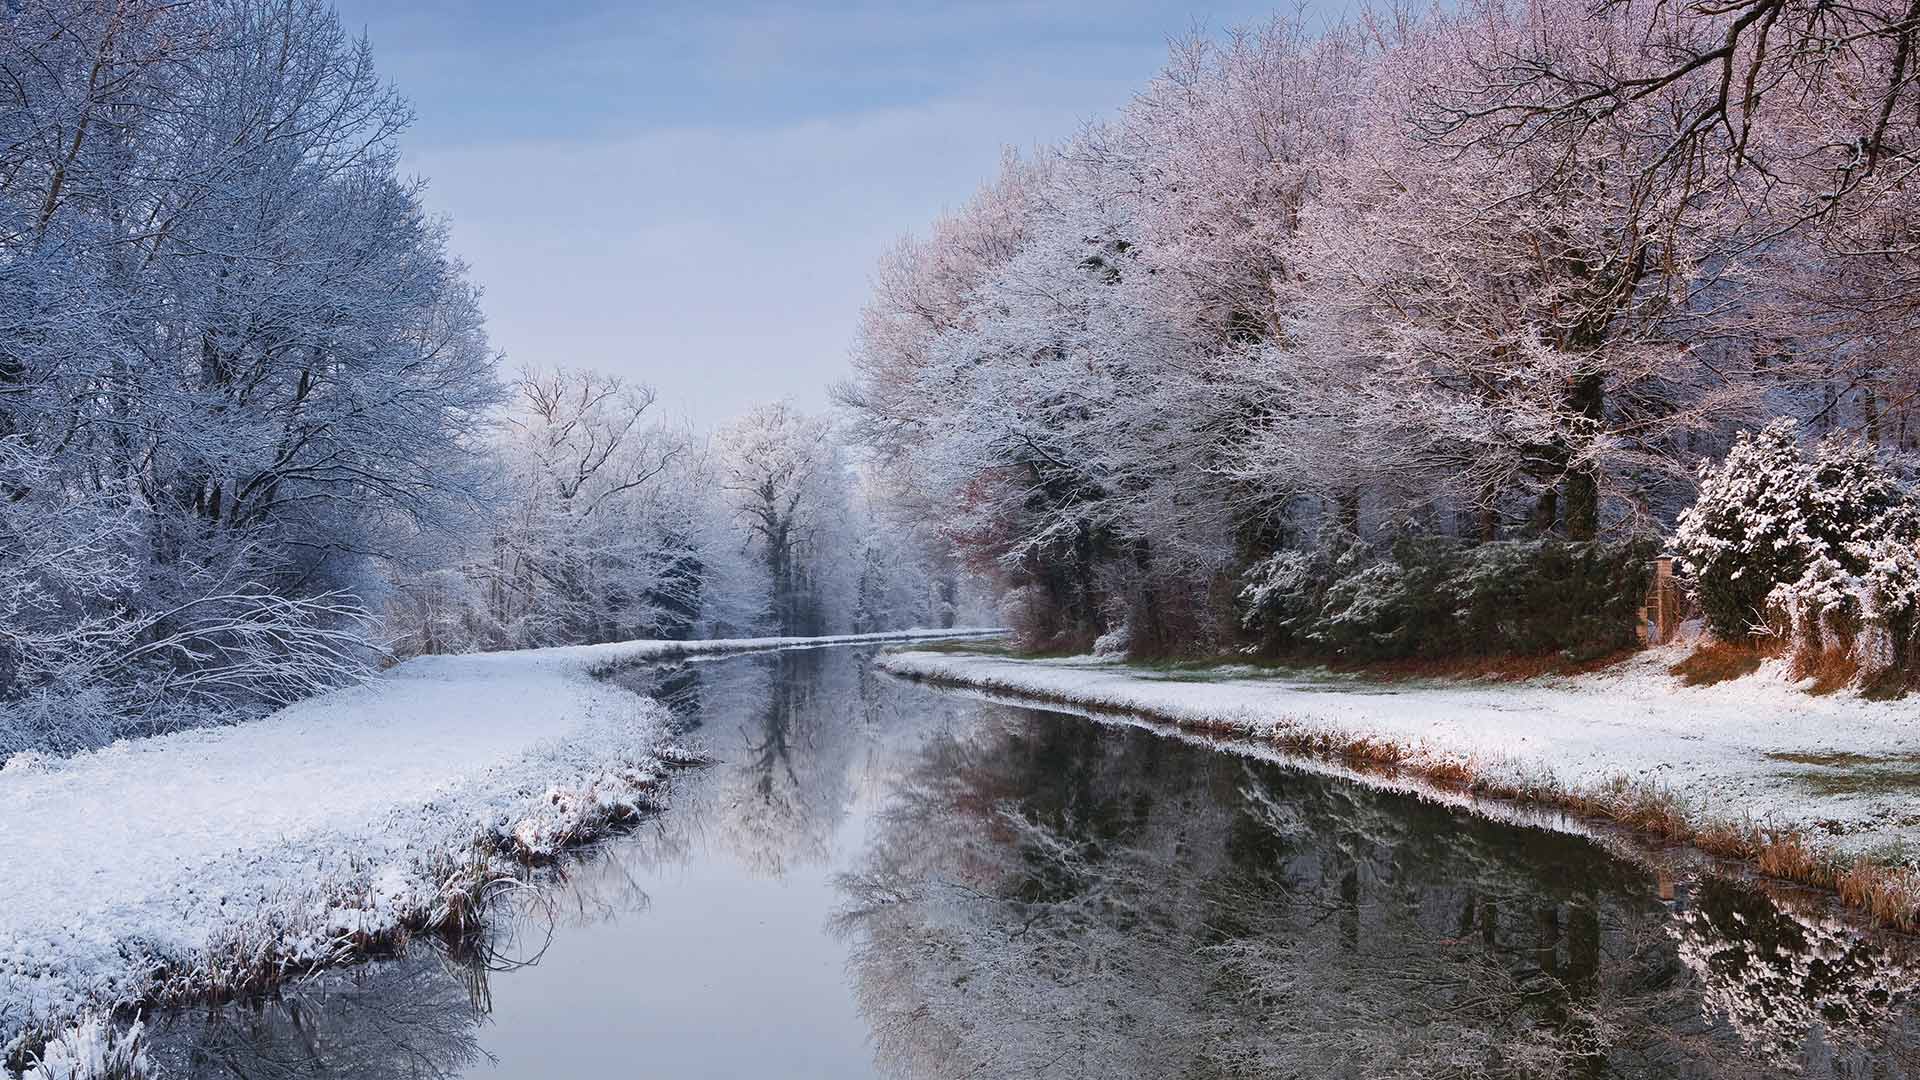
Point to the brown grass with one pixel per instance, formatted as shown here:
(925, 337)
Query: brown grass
(1719, 661)
(1891, 896)
(1830, 669)
(1888, 893)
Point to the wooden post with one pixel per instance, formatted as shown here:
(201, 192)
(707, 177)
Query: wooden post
(1660, 611)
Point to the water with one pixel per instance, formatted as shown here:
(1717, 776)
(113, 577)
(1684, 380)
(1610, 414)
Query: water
(881, 879)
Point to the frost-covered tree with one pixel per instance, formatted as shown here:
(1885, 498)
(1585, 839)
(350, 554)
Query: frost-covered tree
(1499, 272)
(604, 525)
(575, 557)
(789, 484)
(239, 369)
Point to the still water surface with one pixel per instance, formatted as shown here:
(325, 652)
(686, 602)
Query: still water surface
(882, 879)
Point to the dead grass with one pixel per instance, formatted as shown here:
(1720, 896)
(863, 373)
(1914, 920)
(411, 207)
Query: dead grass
(1886, 892)
(1891, 896)
(1830, 669)
(1720, 661)
(1490, 668)
(1838, 759)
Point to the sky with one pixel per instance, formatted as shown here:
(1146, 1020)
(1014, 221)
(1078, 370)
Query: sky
(694, 195)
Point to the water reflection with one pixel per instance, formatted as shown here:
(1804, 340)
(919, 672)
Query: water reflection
(418, 1017)
(883, 876)
(1048, 898)
(415, 1018)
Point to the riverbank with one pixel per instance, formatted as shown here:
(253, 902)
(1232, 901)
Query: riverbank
(1819, 790)
(211, 861)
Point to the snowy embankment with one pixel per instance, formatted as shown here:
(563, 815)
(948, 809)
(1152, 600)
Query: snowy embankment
(223, 858)
(1839, 774)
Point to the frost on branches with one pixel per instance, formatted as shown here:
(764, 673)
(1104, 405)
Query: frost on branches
(253, 440)
(1318, 288)
(238, 364)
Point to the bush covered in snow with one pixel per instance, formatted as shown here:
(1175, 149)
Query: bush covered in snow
(1429, 596)
(1771, 515)
(1115, 642)
(1821, 547)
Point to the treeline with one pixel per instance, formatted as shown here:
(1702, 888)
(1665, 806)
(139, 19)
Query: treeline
(604, 524)
(1341, 340)
(253, 440)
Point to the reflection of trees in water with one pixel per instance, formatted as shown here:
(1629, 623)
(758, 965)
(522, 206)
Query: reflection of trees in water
(1050, 898)
(1793, 988)
(786, 732)
(673, 683)
(415, 1018)
(1047, 897)
(793, 734)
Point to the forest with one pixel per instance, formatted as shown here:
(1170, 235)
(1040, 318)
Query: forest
(254, 442)
(1410, 335)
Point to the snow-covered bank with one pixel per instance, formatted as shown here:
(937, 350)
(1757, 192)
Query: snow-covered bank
(176, 863)
(1841, 772)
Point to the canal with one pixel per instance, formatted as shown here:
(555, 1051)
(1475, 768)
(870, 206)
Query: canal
(876, 878)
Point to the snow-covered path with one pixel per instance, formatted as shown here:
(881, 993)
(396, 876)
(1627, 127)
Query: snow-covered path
(1843, 770)
(162, 849)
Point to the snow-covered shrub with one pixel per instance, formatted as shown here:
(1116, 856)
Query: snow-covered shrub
(1389, 609)
(93, 1050)
(1823, 548)
(1817, 608)
(1114, 643)
(1273, 587)
(1284, 597)
(1887, 596)
(1866, 614)
(1769, 513)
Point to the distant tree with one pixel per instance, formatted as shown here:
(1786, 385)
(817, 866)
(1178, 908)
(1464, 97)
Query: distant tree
(788, 483)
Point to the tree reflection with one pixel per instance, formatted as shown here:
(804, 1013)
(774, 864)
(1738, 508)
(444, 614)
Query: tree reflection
(415, 1018)
(785, 768)
(1045, 897)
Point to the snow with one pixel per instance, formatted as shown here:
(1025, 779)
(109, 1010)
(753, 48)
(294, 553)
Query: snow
(1843, 770)
(284, 839)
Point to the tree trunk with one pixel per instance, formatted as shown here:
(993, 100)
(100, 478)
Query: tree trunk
(1583, 482)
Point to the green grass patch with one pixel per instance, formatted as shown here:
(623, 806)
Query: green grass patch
(1842, 772)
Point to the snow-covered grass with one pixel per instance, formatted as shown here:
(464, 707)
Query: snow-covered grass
(1823, 790)
(93, 1049)
(217, 860)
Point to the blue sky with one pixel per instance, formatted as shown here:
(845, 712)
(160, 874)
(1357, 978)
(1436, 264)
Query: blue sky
(695, 194)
